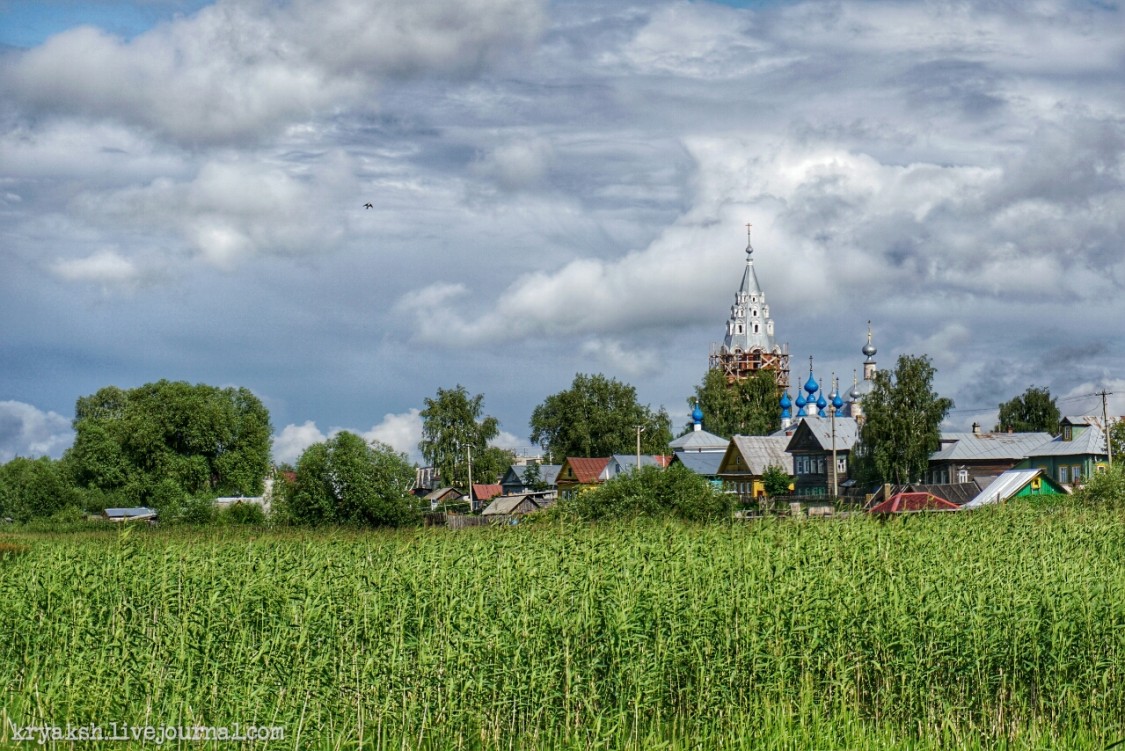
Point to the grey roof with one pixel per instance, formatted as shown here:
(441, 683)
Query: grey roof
(762, 451)
(1090, 441)
(506, 504)
(701, 462)
(699, 440)
(985, 446)
(130, 513)
(548, 473)
(1003, 487)
(623, 462)
(846, 428)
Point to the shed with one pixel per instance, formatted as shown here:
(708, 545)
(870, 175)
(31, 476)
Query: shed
(901, 503)
(137, 513)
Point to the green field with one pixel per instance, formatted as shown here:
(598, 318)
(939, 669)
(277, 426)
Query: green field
(998, 629)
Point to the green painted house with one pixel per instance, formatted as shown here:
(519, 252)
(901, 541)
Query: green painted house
(1074, 455)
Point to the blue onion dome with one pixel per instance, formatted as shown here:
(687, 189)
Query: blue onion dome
(821, 403)
(811, 385)
(837, 402)
(801, 400)
(785, 402)
(697, 414)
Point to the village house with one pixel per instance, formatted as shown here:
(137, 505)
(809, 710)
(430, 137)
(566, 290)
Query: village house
(1075, 454)
(746, 460)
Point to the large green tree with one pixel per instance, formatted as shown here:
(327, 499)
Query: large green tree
(1034, 411)
(597, 416)
(167, 439)
(33, 488)
(345, 480)
(746, 407)
(453, 426)
(902, 423)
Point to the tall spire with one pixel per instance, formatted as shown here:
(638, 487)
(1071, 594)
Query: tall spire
(748, 345)
(750, 326)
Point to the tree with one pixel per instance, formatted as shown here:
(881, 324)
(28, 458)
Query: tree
(33, 488)
(1117, 440)
(746, 407)
(169, 440)
(452, 426)
(901, 427)
(775, 480)
(1034, 411)
(652, 491)
(345, 480)
(597, 416)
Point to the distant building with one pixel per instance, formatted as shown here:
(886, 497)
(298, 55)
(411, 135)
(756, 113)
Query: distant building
(813, 444)
(515, 480)
(138, 513)
(1016, 483)
(579, 473)
(965, 457)
(749, 345)
(747, 458)
(1075, 454)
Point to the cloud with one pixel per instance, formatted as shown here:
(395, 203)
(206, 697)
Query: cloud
(291, 442)
(232, 209)
(235, 71)
(106, 267)
(517, 164)
(402, 432)
(28, 431)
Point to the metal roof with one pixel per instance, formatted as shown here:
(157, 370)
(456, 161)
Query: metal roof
(586, 469)
(702, 463)
(506, 504)
(984, 446)
(1089, 441)
(1003, 487)
(761, 451)
(917, 501)
(137, 512)
(847, 431)
(699, 440)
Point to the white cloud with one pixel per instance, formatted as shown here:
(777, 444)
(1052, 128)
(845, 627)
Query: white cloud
(235, 71)
(233, 209)
(402, 432)
(291, 442)
(107, 267)
(28, 431)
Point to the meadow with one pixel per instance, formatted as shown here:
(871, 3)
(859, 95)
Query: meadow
(997, 629)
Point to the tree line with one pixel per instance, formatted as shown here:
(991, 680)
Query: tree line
(174, 446)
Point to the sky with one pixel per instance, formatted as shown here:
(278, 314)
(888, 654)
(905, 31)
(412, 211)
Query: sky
(558, 187)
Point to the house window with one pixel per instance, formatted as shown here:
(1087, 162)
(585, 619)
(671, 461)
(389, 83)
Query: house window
(1064, 475)
(962, 475)
(1076, 474)
(1068, 432)
(841, 465)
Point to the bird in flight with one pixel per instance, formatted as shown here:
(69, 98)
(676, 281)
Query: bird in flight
(368, 206)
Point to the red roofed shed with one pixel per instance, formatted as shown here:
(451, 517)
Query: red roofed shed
(908, 502)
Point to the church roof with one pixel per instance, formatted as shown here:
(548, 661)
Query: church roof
(699, 440)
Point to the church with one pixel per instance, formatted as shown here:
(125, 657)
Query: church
(821, 433)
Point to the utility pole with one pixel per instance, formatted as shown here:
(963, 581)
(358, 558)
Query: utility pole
(469, 461)
(832, 415)
(640, 429)
(1105, 425)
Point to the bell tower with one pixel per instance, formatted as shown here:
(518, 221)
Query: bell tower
(749, 345)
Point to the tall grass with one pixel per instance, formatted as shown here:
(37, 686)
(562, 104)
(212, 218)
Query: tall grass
(952, 631)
